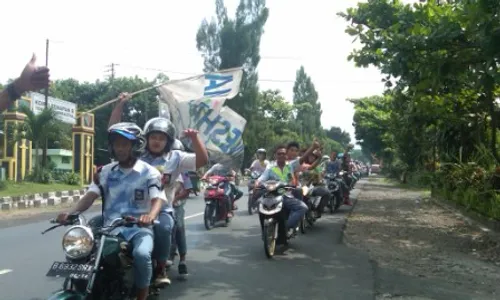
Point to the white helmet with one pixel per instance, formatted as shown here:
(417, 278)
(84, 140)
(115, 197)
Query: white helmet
(261, 151)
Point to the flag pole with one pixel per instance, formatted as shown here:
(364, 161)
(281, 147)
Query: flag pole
(157, 86)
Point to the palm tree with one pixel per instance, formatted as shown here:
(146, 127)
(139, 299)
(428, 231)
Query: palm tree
(37, 129)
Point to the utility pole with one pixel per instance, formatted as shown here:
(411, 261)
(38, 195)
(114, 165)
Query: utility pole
(112, 71)
(44, 153)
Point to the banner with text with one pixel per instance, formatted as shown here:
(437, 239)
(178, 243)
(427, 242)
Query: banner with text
(198, 103)
(65, 110)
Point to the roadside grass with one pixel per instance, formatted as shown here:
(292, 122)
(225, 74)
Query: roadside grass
(27, 188)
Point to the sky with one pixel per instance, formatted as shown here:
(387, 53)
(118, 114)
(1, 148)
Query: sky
(159, 35)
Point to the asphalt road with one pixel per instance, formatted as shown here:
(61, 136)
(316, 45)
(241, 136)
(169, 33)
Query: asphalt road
(224, 263)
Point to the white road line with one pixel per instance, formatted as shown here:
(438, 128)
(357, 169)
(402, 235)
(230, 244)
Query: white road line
(193, 216)
(5, 271)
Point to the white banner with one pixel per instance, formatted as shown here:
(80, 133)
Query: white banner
(65, 110)
(198, 103)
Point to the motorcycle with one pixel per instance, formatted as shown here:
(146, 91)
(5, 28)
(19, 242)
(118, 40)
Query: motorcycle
(215, 202)
(272, 214)
(99, 264)
(334, 185)
(312, 203)
(251, 203)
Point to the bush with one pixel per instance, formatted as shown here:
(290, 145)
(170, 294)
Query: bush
(3, 184)
(71, 178)
(471, 186)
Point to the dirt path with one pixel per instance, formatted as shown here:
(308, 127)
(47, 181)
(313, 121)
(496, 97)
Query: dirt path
(419, 250)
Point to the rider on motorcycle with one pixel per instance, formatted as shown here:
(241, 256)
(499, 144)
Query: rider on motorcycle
(261, 163)
(230, 186)
(334, 165)
(346, 162)
(283, 171)
(132, 187)
(160, 138)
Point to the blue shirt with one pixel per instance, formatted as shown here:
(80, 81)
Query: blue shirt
(128, 192)
(333, 167)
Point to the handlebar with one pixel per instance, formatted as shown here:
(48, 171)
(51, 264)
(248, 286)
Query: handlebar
(123, 221)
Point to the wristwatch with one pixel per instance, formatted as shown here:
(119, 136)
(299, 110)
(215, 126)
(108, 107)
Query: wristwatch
(13, 94)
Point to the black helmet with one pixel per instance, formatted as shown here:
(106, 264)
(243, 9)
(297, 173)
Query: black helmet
(164, 126)
(129, 131)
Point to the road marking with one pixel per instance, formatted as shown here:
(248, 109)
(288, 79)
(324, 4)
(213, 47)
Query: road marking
(193, 216)
(5, 271)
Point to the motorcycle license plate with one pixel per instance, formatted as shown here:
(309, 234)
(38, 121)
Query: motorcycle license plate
(70, 270)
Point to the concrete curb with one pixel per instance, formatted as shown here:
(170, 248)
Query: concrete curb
(343, 239)
(40, 200)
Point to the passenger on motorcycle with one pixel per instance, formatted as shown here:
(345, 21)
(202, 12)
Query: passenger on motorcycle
(182, 190)
(132, 187)
(230, 188)
(283, 171)
(261, 163)
(312, 173)
(160, 138)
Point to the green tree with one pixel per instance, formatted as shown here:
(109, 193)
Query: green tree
(305, 98)
(227, 43)
(339, 135)
(88, 95)
(37, 129)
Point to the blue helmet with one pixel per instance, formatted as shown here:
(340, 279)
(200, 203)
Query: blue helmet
(131, 132)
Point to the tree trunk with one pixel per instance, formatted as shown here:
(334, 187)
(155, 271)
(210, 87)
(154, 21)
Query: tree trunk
(490, 100)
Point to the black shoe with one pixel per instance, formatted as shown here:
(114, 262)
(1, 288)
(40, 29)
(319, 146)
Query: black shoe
(183, 271)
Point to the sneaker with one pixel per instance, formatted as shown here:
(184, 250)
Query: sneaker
(183, 271)
(162, 279)
(290, 233)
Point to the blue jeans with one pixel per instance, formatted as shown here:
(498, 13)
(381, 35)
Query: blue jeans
(297, 210)
(142, 244)
(179, 235)
(163, 236)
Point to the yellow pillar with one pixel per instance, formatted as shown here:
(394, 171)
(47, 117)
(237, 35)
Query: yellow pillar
(83, 147)
(16, 156)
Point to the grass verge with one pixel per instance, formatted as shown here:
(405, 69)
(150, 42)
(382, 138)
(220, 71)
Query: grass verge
(27, 188)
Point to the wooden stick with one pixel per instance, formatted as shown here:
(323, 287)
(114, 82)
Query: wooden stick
(156, 86)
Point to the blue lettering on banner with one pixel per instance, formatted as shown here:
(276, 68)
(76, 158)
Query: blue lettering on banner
(218, 130)
(216, 81)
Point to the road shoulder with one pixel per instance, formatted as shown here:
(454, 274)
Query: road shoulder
(420, 250)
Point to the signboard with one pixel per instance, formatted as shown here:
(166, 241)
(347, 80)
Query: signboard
(65, 110)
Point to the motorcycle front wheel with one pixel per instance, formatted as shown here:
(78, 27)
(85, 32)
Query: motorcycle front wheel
(250, 208)
(208, 216)
(270, 234)
(302, 225)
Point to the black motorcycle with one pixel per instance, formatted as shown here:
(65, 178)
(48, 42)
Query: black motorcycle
(272, 213)
(251, 183)
(335, 185)
(99, 264)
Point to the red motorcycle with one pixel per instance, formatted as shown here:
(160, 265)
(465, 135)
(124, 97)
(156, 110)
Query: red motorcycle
(215, 202)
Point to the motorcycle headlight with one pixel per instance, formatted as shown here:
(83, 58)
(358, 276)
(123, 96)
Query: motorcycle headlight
(78, 242)
(271, 186)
